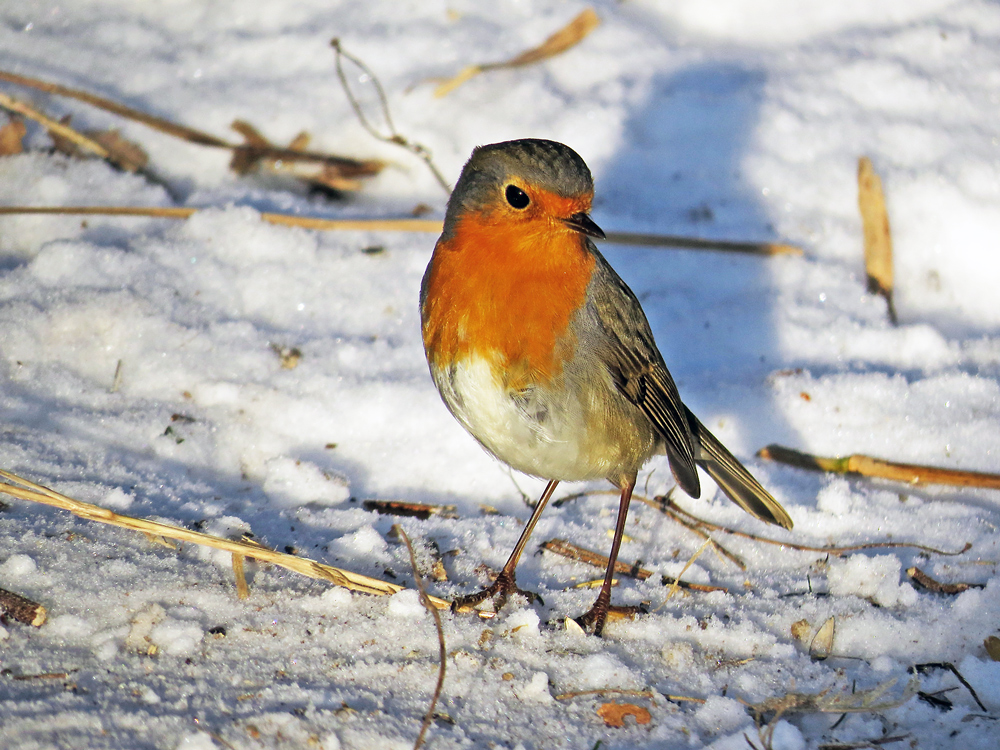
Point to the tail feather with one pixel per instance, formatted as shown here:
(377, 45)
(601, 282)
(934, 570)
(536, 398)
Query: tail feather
(733, 478)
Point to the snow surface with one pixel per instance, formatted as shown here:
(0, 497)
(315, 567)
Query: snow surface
(740, 119)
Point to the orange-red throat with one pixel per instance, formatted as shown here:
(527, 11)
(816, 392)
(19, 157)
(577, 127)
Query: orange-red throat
(504, 287)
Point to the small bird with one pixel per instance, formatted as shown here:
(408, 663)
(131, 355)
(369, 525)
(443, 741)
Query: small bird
(545, 356)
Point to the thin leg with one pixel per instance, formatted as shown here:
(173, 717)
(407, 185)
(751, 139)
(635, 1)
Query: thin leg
(505, 584)
(596, 615)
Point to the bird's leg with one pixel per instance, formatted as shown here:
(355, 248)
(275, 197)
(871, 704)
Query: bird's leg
(595, 617)
(505, 583)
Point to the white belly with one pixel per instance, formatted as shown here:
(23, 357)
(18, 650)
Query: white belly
(543, 433)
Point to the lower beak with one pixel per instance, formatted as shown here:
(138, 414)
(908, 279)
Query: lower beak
(583, 224)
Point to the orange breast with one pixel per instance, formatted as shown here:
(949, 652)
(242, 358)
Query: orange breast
(507, 292)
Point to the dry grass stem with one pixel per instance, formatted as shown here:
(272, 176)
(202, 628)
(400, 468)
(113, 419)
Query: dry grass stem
(334, 171)
(304, 566)
(688, 564)
(876, 467)
(878, 237)
(430, 226)
(561, 41)
(157, 123)
(442, 650)
(828, 550)
(581, 554)
(56, 128)
(697, 243)
(242, 590)
(21, 608)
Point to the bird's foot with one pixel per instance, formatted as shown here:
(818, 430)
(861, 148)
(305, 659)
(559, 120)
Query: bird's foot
(499, 591)
(595, 618)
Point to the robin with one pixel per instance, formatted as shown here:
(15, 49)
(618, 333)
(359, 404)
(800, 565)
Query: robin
(543, 353)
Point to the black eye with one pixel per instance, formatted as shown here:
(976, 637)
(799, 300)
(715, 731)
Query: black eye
(517, 197)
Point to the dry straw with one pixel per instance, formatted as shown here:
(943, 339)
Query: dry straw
(159, 531)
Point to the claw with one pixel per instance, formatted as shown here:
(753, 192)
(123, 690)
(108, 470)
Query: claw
(595, 618)
(499, 591)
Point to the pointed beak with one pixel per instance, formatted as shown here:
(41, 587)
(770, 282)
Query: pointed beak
(583, 224)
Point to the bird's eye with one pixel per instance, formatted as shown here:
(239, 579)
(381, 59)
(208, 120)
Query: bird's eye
(516, 197)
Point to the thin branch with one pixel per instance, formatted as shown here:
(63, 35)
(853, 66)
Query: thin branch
(442, 651)
(394, 136)
(936, 586)
(876, 467)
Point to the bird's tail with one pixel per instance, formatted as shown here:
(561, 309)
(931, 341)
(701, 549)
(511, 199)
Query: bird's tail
(733, 478)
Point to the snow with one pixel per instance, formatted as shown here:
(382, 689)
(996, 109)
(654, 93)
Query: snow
(733, 120)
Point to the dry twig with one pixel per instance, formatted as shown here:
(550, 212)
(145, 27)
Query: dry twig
(442, 651)
(937, 587)
(876, 467)
(393, 135)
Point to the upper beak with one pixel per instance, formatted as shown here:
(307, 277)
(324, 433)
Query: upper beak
(583, 224)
